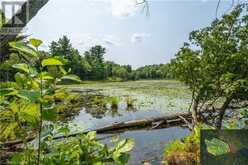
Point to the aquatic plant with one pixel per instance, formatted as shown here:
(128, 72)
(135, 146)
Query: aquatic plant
(130, 102)
(114, 101)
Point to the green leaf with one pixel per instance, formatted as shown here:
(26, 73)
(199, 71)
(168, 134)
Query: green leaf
(22, 47)
(51, 62)
(7, 92)
(120, 158)
(217, 147)
(49, 114)
(35, 42)
(91, 135)
(64, 130)
(20, 79)
(22, 67)
(62, 70)
(32, 95)
(125, 145)
(46, 76)
(71, 77)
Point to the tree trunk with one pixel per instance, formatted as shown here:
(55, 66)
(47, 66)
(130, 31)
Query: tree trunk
(195, 112)
(222, 112)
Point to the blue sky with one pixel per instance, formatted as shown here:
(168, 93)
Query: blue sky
(128, 34)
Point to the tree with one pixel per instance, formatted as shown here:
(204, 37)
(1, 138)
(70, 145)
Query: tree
(217, 70)
(96, 60)
(28, 107)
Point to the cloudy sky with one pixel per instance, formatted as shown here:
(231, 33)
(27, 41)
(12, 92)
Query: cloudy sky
(130, 36)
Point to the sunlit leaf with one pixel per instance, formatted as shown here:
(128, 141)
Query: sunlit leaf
(125, 145)
(91, 135)
(217, 147)
(22, 47)
(35, 42)
(22, 67)
(46, 76)
(20, 79)
(51, 62)
(32, 95)
(62, 70)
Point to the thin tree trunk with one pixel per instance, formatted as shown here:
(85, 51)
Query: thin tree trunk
(195, 112)
(222, 112)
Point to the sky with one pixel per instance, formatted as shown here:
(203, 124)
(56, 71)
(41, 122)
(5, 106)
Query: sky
(130, 36)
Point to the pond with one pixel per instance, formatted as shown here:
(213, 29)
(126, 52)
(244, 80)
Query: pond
(149, 99)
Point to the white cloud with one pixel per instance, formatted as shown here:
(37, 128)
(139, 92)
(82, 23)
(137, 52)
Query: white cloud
(121, 8)
(85, 41)
(139, 37)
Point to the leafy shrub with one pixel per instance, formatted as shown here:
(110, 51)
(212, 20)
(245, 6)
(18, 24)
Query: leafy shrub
(185, 152)
(29, 106)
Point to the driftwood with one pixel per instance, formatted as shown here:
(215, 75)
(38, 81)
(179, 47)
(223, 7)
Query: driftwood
(168, 120)
(77, 90)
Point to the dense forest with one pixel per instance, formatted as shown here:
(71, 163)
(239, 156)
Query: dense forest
(91, 65)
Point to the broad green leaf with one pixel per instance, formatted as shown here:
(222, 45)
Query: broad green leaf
(217, 147)
(46, 76)
(32, 95)
(71, 77)
(22, 67)
(49, 114)
(51, 62)
(35, 42)
(7, 92)
(125, 145)
(20, 79)
(30, 112)
(22, 47)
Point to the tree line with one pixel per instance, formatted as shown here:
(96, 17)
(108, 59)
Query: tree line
(91, 65)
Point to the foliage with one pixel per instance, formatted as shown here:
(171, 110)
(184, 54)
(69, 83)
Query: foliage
(114, 101)
(31, 103)
(161, 71)
(83, 149)
(186, 152)
(92, 66)
(216, 68)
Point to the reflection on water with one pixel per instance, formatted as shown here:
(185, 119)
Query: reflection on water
(150, 144)
(152, 99)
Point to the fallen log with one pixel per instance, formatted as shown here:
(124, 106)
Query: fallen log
(78, 90)
(171, 119)
(140, 123)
